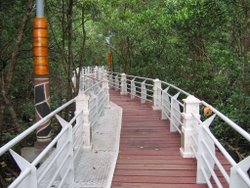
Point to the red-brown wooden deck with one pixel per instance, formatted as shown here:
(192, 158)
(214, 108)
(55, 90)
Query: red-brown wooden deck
(149, 154)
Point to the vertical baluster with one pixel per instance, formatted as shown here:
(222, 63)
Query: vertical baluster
(143, 92)
(203, 154)
(166, 107)
(133, 89)
(117, 82)
(243, 167)
(31, 178)
(174, 113)
(157, 95)
(111, 81)
(123, 84)
(68, 152)
(105, 86)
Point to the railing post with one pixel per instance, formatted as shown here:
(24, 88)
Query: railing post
(123, 84)
(81, 83)
(143, 92)
(82, 104)
(74, 80)
(132, 89)
(157, 94)
(117, 82)
(191, 107)
(111, 80)
(95, 72)
(241, 168)
(105, 86)
(99, 73)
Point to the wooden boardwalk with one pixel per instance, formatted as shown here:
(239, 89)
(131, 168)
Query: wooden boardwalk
(149, 154)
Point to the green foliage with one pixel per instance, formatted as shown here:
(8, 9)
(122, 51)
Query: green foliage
(197, 45)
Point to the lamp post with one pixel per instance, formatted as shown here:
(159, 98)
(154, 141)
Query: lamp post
(109, 43)
(41, 73)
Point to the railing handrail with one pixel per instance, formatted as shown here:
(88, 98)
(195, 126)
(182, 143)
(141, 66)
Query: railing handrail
(151, 79)
(236, 127)
(177, 88)
(67, 143)
(170, 106)
(31, 129)
(176, 109)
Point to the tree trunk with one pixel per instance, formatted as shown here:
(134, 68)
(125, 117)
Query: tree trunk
(82, 52)
(70, 51)
(6, 78)
(245, 46)
(19, 38)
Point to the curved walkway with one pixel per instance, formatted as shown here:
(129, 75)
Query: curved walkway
(149, 154)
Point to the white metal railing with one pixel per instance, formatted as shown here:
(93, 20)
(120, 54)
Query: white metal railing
(54, 166)
(205, 151)
(183, 111)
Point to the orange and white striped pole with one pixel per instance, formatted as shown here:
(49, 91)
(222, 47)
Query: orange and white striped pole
(109, 43)
(41, 72)
(110, 60)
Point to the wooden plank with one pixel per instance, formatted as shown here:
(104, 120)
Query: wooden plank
(155, 161)
(155, 185)
(164, 173)
(154, 179)
(149, 154)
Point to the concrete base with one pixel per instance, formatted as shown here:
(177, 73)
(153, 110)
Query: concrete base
(108, 106)
(30, 153)
(186, 154)
(122, 93)
(156, 108)
(87, 148)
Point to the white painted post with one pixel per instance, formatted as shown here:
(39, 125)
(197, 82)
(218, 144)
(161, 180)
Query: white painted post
(123, 84)
(143, 92)
(82, 104)
(157, 94)
(74, 81)
(111, 80)
(81, 83)
(239, 176)
(100, 70)
(79, 120)
(132, 89)
(117, 83)
(105, 86)
(95, 72)
(191, 106)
